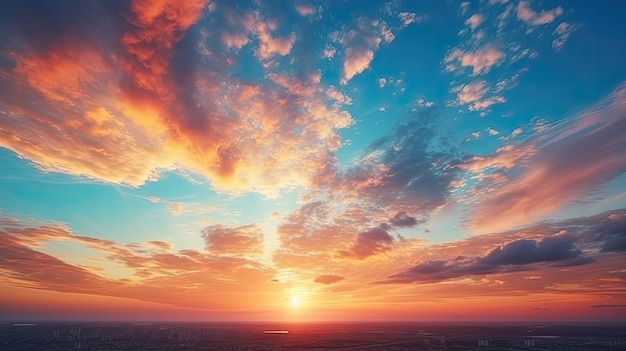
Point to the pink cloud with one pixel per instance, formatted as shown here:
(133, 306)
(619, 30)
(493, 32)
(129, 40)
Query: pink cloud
(473, 94)
(338, 96)
(357, 61)
(486, 103)
(360, 44)
(235, 40)
(526, 14)
(505, 157)
(329, 52)
(475, 20)
(561, 33)
(304, 9)
(270, 46)
(560, 166)
(481, 61)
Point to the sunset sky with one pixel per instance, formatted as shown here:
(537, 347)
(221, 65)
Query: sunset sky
(313, 160)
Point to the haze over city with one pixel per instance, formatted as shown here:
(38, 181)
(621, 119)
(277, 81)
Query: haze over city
(299, 161)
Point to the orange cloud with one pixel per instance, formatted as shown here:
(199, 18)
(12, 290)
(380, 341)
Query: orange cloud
(238, 241)
(526, 14)
(155, 98)
(181, 278)
(328, 279)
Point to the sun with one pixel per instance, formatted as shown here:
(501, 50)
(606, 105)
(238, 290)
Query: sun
(295, 301)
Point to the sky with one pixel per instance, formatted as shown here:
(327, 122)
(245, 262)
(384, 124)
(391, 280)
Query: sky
(313, 160)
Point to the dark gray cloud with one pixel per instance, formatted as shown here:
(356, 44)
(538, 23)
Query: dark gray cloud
(578, 241)
(514, 256)
(401, 219)
(44, 27)
(523, 251)
(410, 170)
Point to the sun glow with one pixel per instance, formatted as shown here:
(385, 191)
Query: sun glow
(295, 301)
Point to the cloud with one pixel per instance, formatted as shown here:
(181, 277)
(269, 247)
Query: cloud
(328, 279)
(338, 96)
(571, 160)
(369, 243)
(530, 17)
(244, 240)
(401, 219)
(329, 52)
(400, 172)
(408, 18)
(154, 199)
(360, 44)
(472, 94)
(161, 244)
(422, 102)
(463, 7)
(175, 208)
(492, 132)
(544, 248)
(524, 251)
(29, 268)
(304, 8)
(475, 20)
(561, 33)
(611, 232)
(521, 254)
(481, 60)
(124, 99)
(270, 46)
(142, 272)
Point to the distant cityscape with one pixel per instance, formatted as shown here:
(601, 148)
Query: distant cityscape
(50, 336)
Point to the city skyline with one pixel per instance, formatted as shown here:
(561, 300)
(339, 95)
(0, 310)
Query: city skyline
(313, 160)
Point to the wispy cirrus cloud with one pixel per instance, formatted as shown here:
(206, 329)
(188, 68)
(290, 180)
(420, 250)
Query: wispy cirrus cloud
(561, 34)
(585, 149)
